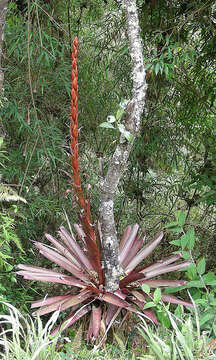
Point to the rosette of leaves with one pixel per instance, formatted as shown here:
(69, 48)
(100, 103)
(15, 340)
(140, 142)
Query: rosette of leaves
(83, 273)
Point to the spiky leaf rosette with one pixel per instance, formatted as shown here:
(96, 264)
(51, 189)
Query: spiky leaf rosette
(79, 272)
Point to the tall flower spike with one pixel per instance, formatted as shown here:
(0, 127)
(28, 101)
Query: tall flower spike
(85, 218)
(74, 126)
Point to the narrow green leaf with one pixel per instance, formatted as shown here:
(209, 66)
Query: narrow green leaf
(157, 68)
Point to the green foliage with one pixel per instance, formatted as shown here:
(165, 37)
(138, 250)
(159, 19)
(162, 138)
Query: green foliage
(113, 122)
(24, 337)
(182, 341)
(7, 237)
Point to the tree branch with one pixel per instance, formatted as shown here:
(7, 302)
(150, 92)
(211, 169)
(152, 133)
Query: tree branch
(118, 164)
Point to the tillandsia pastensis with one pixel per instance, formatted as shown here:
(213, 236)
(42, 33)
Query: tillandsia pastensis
(82, 265)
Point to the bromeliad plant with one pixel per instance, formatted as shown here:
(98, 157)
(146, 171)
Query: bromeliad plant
(86, 283)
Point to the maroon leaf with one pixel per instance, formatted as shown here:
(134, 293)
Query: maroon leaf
(70, 320)
(128, 244)
(138, 242)
(61, 261)
(166, 269)
(111, 313)
(132, 277)
(65, 304)
(48, 301)
(151, 315)
(60, 278)
(31, 268)
(56, 305)
(64, 251)
(94, 257)
(174, 300)
(115, 300)
(144, 252)
(80, 232)
(138, 295)
(160, 263)
(75, 248)
(90, 329)
(125, 237)
(96, 320)
(120, 294)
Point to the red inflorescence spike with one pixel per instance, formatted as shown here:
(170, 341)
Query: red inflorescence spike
(83, 203)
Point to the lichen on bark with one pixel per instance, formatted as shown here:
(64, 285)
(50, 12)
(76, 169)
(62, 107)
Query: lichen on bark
(118, 164)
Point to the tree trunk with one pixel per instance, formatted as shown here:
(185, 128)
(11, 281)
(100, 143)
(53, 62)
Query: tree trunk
(118, 164)
(3, 9)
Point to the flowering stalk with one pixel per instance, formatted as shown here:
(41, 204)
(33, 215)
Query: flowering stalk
(85, 206)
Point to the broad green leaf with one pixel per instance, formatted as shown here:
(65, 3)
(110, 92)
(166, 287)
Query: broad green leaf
(176, 229)
(145, 288)
(201, 265)
(125, 133)
(174, 290)
(174, 223)
(157, 296)
(176, 242)
(164, 319)
(119, 114)
(182, 218)
(184, 241)
(191, 238)
(150, 304)
(206, 317)
(111, 119)
(186, 255)
(107, 125)
(209, 279)
(195, 283)
(192, 272)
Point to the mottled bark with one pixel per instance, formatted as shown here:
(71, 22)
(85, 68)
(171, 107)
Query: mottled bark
(3, 9)
(118, 163)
